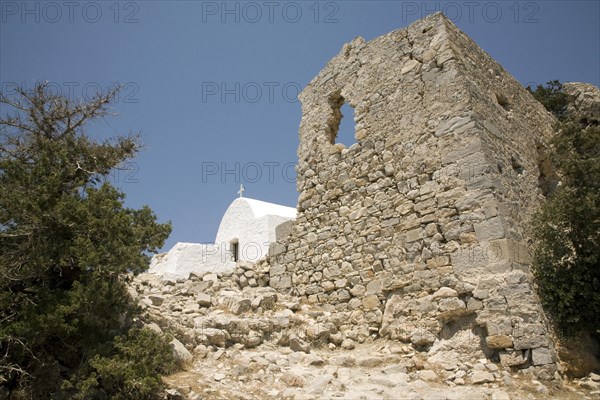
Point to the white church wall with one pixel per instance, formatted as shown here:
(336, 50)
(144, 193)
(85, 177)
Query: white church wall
(251, 223)
(239, 224)
(185, 258)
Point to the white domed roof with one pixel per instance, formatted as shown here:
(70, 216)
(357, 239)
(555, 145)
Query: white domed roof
(261, 208)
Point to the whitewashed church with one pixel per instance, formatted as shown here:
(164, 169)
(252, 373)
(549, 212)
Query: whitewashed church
(247, 231)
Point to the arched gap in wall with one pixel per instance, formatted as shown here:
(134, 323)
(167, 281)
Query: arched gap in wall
(347, 131)
(341, 123)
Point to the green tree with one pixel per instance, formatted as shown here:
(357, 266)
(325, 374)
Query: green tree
(66, 242)
(566, 261)
(552, 97)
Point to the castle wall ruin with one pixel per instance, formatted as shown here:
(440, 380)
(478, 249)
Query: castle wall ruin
(419, 228)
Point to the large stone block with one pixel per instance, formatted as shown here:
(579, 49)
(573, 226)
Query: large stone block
(512, 358)
(414, 235)
(498, 341)
(370, 302)
(542, 355)
(490, 229)
(281, 282)
(237, 305)
(510, 250)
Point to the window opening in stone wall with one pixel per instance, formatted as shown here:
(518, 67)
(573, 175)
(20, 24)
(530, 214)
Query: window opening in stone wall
(341, 123)
(347, 131)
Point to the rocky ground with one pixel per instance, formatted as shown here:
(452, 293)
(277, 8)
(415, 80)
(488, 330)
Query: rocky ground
(370, 371)
(238, 339)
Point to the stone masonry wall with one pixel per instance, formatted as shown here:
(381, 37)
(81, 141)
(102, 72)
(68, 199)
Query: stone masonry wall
(419, 228)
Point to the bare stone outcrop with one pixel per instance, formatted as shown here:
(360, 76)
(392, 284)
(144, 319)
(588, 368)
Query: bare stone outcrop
(584, 101)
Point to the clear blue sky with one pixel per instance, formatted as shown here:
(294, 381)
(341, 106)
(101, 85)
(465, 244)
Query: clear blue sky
(212, 85)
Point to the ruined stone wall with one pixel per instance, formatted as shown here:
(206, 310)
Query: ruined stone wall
(419, 227)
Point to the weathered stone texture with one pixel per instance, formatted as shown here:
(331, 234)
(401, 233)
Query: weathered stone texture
(584, 101)
(420, 224)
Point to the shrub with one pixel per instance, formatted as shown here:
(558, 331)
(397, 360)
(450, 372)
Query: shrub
(66, 241)
(566, 262)
(132, 370)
